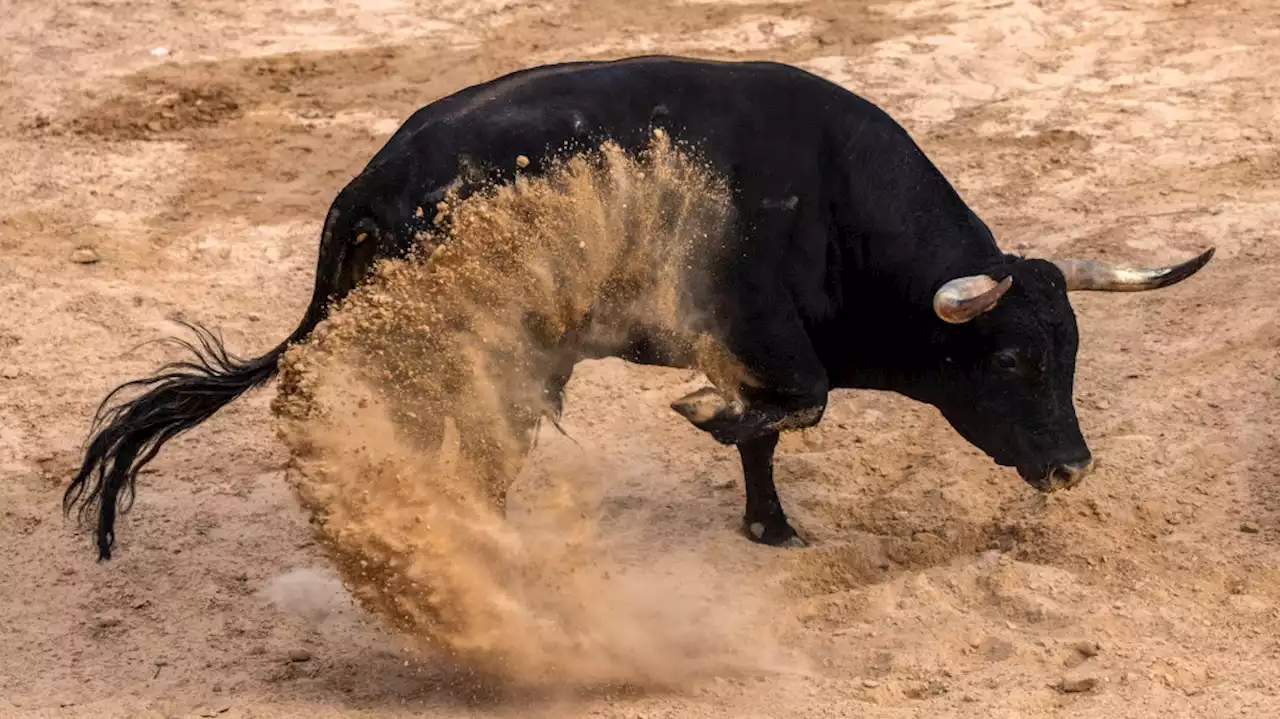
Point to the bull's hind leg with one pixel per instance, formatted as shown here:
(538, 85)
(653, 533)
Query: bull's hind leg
(497, 448)
(495, 452)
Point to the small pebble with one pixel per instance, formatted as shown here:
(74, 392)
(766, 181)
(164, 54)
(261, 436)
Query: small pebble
(870, 683)
(1249, 528)
(9, 372)
(299, 655)
(996, 649)
(106, 621)
(522, 161)
(1078, 684)
(216, 709)
(84, 255)
(1088, 649)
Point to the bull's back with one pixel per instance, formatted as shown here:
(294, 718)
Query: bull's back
(762, 115)
(774, 132)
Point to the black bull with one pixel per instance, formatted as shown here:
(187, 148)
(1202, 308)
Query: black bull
(860, 267)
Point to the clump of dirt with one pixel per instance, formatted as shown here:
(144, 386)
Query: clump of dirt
(411, 408)
(170, 109)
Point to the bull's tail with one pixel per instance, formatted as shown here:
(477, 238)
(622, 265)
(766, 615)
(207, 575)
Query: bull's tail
(128, 434)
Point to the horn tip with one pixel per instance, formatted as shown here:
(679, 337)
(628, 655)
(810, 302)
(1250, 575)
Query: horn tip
(1190, 267)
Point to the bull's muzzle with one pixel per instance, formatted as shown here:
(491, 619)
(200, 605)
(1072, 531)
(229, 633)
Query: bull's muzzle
(1066, 476)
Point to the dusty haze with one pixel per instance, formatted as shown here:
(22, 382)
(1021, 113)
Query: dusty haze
(411, 408)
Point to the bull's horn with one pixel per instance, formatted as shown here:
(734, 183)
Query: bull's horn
(964, 298)
(1094, 275)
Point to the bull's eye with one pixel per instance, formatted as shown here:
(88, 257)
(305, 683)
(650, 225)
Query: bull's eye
(1006, 361)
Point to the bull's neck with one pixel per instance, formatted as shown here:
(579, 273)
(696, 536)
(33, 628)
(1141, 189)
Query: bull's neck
(906, 234)
(903, 223)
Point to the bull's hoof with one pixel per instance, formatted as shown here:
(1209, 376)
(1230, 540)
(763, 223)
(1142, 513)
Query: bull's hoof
(713, 413)
(773, 533)
(702, 405)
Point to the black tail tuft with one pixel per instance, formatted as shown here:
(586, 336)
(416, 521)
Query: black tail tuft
(129, 434)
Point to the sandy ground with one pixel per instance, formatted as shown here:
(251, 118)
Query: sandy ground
(936, 585)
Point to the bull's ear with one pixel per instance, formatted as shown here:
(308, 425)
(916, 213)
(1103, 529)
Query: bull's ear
(964, 298)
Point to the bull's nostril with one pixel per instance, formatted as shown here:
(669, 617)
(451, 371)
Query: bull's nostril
(1066, 476)
(1069, 475)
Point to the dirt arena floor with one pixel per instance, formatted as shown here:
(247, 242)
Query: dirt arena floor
(165, 160)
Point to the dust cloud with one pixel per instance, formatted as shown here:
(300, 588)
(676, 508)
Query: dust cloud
(410, 409)
(311, 594)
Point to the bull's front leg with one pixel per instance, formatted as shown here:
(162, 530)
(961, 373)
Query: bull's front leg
(764, 521)
(776, 381)
(750, 416)
(782, 386)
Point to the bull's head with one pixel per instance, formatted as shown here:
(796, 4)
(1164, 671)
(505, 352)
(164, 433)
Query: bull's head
(1008, 353)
